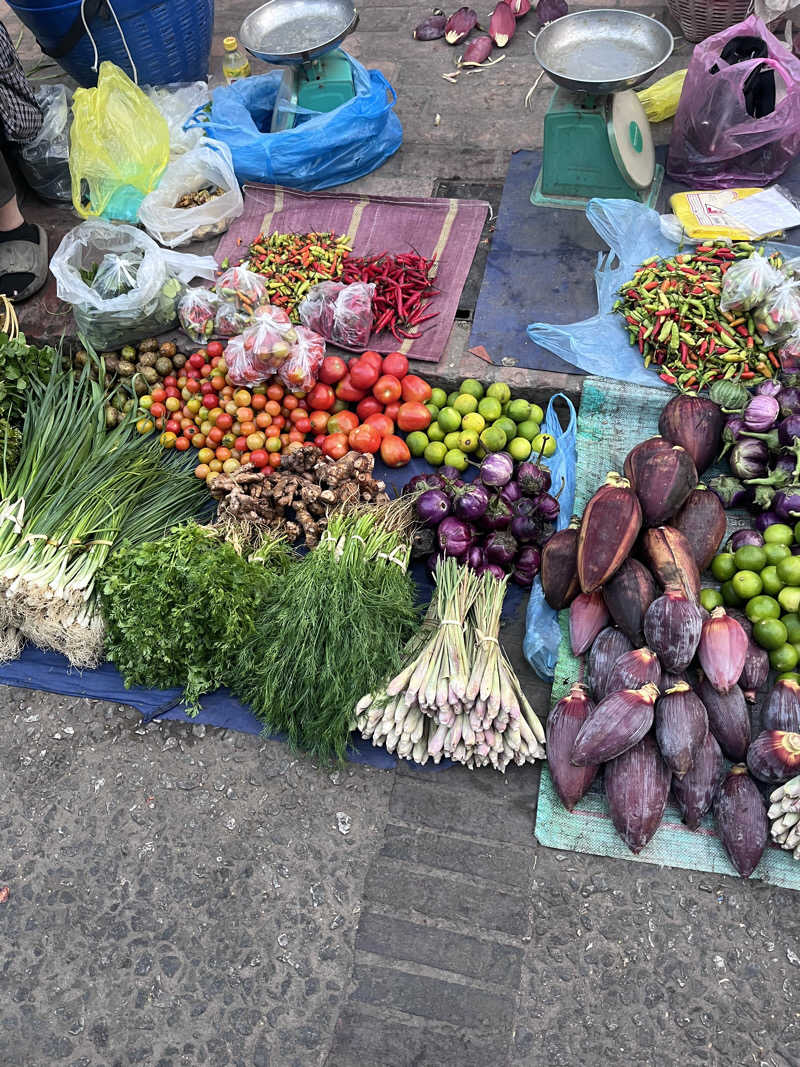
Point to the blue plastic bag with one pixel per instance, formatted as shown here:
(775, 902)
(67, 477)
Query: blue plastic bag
(542, 633)
(324, 150)
(600, 345)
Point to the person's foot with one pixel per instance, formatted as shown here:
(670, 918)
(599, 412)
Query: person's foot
(23, 261)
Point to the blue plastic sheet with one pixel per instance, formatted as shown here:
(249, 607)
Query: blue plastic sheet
(324, 150)
(542, 632)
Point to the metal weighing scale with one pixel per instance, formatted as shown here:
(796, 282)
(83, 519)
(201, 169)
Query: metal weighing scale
(302, 36)
(597, 139)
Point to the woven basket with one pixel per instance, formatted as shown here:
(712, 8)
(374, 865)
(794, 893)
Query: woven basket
(699, 19)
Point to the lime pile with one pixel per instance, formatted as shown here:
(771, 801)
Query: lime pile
(764, 582)
(472, 421)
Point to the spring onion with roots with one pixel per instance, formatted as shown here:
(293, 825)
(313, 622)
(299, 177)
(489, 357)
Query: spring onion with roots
(338, 628)
(75, 493)
(459, 696)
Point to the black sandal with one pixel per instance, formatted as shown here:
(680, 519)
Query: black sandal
(22, 260)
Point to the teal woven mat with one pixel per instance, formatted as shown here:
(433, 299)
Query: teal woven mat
(613, 417)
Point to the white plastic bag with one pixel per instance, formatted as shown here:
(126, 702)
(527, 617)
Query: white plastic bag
(147, 309)
(208, 165)
(44, 161)
(177, 103)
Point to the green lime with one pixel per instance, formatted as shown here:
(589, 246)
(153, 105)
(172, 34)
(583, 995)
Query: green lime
(519, 448)
(723, 566)
(490, 407)
(452, 440)
(493, 439)
(762, 607)
(452, 397)
(499, 391)
(438, 397)
(529, 429)
(473, 421)
(770, 581)
(775, 553)
(473, 387)
(479, 452)
(508, 426)
(778, 534)
(792, 624)
(770, 634)
(788, 676)
(536, 414)
(435, 432)
(434, 410)
(747, 584)
(449, 419)
(789, 570)
(711, 598)
(454, 457)
(543, 444)
(783, 658)
(519, 410)
(468, 440)
(465, 403)
(796, 532)
(750, 558)
(417, 442)
(789, 598)
(435, 453)
(729, 595)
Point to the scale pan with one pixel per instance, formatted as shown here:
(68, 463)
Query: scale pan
(296, 31)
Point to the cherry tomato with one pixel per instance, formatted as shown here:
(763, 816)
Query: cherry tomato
(391, 410)
(242, 398)
(168, 439)
(319, 440)
(182, 444)
(259, 402)
(345, 390)
(224, 420)
(319, 421)
(170, 380)
(343, 422)
(273, 444)
(159, 395)
(335, 445)
(173, 426)
(416, 388)
(214, 348)
(363, 375)
(297, 414)
(395, 364)
(333, 369)
(201, 470)
(217, 383)
(321, 397)
(295, 435)
(210, 401)
(275, 460)
(157, 410)
(368, 406)
(290, 402)
(413, 416)
(303, 425)
(374, 358)
(381, 423)
(206, 388)
(387, 389)
(193, 385)
(247, 427)
(214, 435)
(196, 360)
(275, 392)
(263, 420)
(260, 457)
(364, 439)
(206, 370)
(394, 451)
(272, 407)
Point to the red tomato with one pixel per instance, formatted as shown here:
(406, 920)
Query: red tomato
(214, 348)
(214, 436)
(333, 369)
(173, 426)
(394, 451)
(297, 415)
(275, 459)
(345, 390)
(224, 421)
(210, 400)
(363, 375)
(321, 397)
(171, 390)
(413, 416)
(368, 406)
(259, 457)
(381, 423)
(416, 388)
(342, 422)
(291, 402)
(206, 370)
(170, 380)
(387, 389)
(396, 364)
(193, 385)
(375, 358)
(206, 388)
(159, 395)
(196, 360)
(303, 425)
(319, 440)
(390, 411)
(335, 445)
(275, 392)
(319, 421)
(181, 444)
(240, 443)
(364, 439)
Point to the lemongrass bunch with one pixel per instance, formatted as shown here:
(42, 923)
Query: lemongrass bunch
(784, 816)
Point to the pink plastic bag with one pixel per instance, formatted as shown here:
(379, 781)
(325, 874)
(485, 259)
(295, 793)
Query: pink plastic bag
(715, 143)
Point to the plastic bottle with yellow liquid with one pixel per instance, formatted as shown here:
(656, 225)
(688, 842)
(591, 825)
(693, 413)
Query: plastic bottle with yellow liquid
(235, 64)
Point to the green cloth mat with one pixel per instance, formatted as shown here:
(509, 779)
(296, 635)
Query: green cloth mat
(613, 417)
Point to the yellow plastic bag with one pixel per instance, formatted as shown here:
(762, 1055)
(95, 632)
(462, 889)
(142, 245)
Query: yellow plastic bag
(660, 100)
(119, 146)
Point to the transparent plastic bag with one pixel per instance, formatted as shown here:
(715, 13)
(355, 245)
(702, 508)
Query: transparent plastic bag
(778, 316)
(277, 319)
(747, 283)
(119, 147)
(255, 355)
(116, 274)
(44, 161)
(177, 104)
(149, 308)
(789, 353)
(340, 313)
(208, 166)
(231, 319)
(197, 311)
(301, 368)
(243, 287)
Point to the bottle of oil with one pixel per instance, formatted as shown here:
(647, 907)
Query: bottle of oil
(235, 63)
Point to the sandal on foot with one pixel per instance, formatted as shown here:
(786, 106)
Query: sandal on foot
(26, 263)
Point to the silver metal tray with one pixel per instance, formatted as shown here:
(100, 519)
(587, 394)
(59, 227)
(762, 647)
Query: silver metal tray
(296, 31)
(602, 51)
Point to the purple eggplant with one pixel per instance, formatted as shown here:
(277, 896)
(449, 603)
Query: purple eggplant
(433, 506)
(450, 474)
(501, 548)
(498, 515)
(533, 479)
(471, 501)
(497, 469)
(548, 506)
(731, 491)
(789, 430)
(770, 388)
(423, 481)
(476, 558)
(731, 432)
(743, 537)
(526, 566)
(525, 528)
(761, 413)
(455, 536)
(749, 459)
(765, 519)
(511, 492)
(495, 570)
(786, 504)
